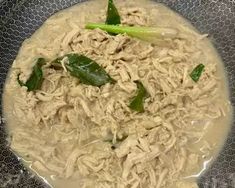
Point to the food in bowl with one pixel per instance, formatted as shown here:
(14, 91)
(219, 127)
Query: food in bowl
(119, 95)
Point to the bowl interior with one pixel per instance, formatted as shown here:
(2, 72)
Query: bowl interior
(19, 19)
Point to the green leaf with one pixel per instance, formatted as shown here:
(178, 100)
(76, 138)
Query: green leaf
(137, 104)
(197, 72)
(56, 64)
(35, 80)
(113, 17)
(85, 69)
(151, 34)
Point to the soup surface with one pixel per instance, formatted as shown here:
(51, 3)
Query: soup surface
(78, 135)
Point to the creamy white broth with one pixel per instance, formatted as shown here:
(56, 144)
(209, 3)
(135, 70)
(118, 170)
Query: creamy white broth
(201, 147)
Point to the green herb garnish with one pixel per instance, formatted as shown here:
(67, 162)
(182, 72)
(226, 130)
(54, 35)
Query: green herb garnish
(35, 80)
(137, 103)
(197, 72)
(113, 17)
(85, 69)
(151, 34)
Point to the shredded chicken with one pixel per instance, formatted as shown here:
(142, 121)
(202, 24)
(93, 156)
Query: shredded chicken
(68, 128)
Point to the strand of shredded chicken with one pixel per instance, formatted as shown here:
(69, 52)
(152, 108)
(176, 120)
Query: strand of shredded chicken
(79, 119)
